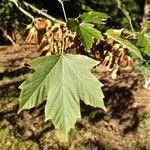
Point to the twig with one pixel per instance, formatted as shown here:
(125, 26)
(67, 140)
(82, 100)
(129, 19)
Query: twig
(122, 7)
(62, 5)
(7, 36)
(22, 10)
(43, 13)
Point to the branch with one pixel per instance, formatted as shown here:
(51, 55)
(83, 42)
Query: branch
(7, 36)
(22, 10)
(43, 13)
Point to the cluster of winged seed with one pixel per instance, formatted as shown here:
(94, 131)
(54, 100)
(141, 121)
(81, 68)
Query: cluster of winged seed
(112, 55)
(52, 38)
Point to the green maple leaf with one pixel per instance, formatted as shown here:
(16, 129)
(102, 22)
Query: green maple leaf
(144, 43)
(86, 32)
(126, 44)
(94, 17)
(63, 80)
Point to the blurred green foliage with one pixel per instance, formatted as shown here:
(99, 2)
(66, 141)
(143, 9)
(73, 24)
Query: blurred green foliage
(118, 20)
(12, 19)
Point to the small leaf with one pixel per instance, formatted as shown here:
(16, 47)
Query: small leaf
(144, 43)
(94, 17)
(63, 80)
(86, 33)
(118, 32)
(73, 24)
(112, 34)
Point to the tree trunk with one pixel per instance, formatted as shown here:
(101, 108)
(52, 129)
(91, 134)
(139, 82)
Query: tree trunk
(146, 17)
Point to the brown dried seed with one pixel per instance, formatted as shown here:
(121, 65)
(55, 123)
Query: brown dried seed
(41, 24)
(109, 41)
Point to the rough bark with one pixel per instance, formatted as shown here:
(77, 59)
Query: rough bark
(146, 17)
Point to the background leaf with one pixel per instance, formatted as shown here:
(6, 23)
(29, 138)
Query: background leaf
(86, 32)
(64, 80)
(144, 43)
(115, 36)
(94, 17)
